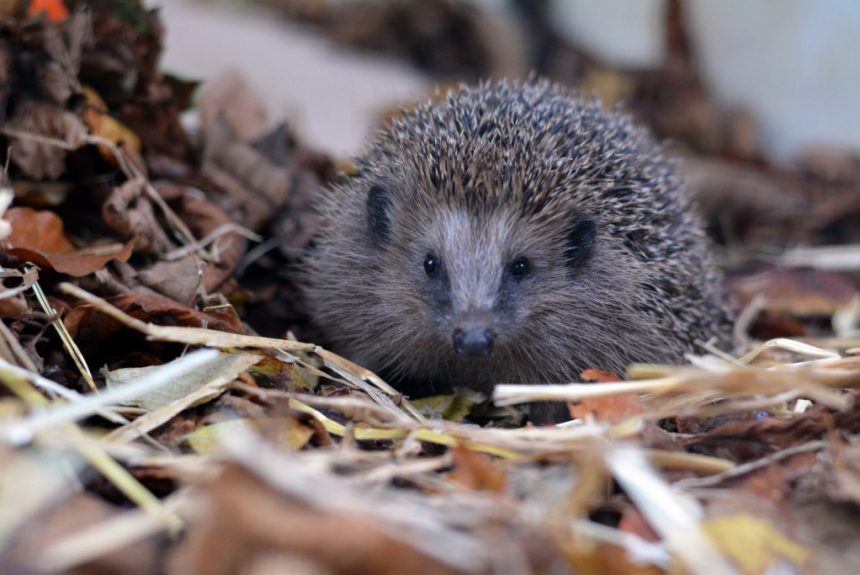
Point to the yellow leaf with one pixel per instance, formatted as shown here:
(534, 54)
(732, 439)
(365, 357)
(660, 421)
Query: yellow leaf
(97, 117)
(754, 544)
(206, 439)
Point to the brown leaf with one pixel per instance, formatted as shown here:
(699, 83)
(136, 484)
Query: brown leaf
(179, 280)
(150, 308)
(797, 292)
(40, 160)
(104, 340)
(129, 212)
(12, 307)
(745, 440)
(777, 480)
(204, 217)
(39, 237)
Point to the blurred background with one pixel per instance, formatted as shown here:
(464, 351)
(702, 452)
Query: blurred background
(775, 77)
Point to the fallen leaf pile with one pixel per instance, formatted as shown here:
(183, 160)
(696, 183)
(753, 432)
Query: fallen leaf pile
(147, 427)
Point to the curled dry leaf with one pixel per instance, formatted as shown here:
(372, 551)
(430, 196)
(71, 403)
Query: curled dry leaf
(41, 160)
(39, 237)
(129, 212)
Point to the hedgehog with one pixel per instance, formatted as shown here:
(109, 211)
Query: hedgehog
(511, 233)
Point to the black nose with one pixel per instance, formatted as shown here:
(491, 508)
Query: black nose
(473, 342)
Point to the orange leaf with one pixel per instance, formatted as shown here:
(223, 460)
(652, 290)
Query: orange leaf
(477, 471)
(612, 408)
(102, 124)
(39, 237)
(55, 9)
(597, 376)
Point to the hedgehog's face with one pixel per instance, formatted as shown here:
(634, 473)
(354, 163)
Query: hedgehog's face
(477, 282)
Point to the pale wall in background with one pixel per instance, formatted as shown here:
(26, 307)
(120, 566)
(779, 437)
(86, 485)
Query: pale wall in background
(333, 97)
(793, 63)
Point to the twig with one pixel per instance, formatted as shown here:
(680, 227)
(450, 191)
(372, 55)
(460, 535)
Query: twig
(65, 337)
(744, 468)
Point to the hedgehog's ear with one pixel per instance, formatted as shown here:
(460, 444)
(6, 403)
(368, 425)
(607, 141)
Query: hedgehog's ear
(379, 213)
(579, 241)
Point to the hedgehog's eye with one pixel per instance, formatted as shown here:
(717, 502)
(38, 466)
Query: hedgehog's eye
(431, 265)
(520, 268)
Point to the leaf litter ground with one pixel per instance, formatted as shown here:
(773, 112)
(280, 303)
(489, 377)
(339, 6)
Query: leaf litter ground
(146, 428)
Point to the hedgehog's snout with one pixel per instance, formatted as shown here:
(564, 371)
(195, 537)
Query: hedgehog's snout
(473, 339)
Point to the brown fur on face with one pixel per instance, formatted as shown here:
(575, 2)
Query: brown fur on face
(617, 267)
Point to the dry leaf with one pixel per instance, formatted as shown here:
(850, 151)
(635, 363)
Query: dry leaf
(754, 543)
(37, 159)
(55, 10)
(129, 212)
(38, 237)
(102, 124)
(796, 292)
(477, 471)
(218, 373)
(610, 409)
(294, 435)
(179, 280)
(204, 218)
(90, 325)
